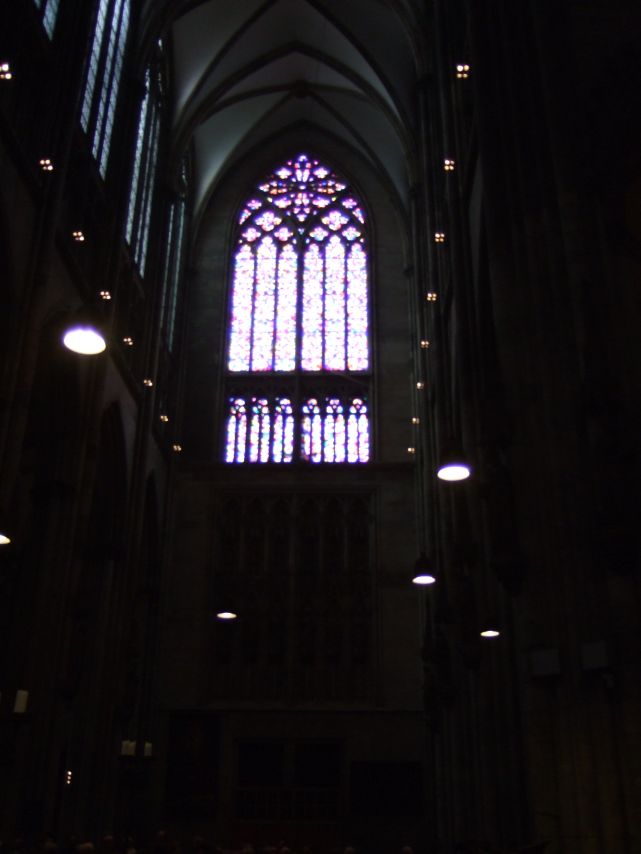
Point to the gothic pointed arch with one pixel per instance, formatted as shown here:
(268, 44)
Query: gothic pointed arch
(298, 348)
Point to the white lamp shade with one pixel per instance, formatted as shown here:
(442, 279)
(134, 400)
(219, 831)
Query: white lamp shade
(85, 340)
(226, 615)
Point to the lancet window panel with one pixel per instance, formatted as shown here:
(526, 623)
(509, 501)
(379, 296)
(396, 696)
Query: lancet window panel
(103, 76)
(317, 429)
(141, 189)
(49, 11)
(299, 306)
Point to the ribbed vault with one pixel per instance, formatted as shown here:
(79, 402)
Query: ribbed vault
(243, 72)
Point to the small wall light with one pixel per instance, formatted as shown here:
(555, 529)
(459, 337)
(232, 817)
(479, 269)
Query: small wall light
(128, 340)
(431, 297)
(462, 71)
(46, 164)
(106, 295)
(20, 704)
(411, 451)
(449, 165)
(78, 236)
(439, 237)
(127, 748)
(425, 344)
(148, 382)
(164, 418)
(420, 385)
(5, 71)
(177, 448)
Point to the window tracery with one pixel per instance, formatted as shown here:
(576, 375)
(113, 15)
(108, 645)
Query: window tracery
(299, 308)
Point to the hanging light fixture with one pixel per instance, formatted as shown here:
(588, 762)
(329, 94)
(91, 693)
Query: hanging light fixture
(490, 628)
(5, 539)
(83, 334)
(453, 464)
(226, 614)
(424, 572)
(226, 610)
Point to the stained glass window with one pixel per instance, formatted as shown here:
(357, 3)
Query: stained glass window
(104, 71)
(299, 307)
(141, 189)
(49, 9)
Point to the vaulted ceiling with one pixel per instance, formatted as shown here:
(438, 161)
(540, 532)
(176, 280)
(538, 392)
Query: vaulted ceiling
(244, 70)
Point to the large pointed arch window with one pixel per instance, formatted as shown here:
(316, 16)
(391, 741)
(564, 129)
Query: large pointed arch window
(104, 71)
(298, 351)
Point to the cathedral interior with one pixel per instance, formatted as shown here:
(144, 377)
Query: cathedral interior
(320, 250)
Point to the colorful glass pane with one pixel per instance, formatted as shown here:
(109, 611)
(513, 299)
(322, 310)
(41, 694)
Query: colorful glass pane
(357, 323)
(351, 233)
(268, 220)
(358, 432)
(236, 431)
(241, 310)
(312, 321)
(283, 233)
(311, 432)
(283, 436)
(285, 356)
(264, 308)
(251, 234)
(335, 220)
(334, 432)
(334, 305)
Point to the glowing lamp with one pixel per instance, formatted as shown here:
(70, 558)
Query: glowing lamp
(491, 629)
(423, 571)
(4, 539)
(453, 465)
(84, 339)
(226, 615)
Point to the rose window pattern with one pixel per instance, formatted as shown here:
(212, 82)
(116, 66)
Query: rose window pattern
(298, 352)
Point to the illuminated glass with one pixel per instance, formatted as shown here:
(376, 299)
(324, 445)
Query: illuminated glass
(332, 314)
(299, 306)
(141, 189)
(262, 429)
(312, 321)
(49, 9)
(104, 71)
